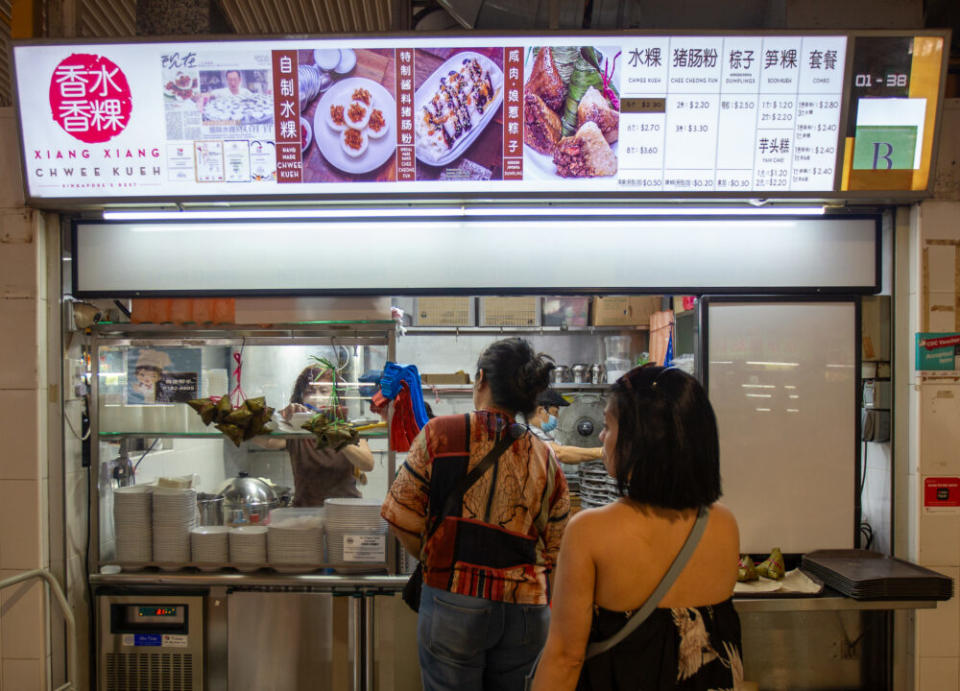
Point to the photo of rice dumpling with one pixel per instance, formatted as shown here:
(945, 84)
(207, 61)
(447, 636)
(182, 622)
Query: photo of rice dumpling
(571, 112)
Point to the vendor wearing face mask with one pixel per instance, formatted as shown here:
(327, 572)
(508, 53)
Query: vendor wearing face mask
(543, 421)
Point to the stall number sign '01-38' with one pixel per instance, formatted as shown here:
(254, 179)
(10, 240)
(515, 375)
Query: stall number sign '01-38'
(90, 98)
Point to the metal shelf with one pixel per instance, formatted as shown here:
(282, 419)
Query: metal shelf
(830, 600)
(414, 330)
(345, 332)
(468, 388)
(214, 435)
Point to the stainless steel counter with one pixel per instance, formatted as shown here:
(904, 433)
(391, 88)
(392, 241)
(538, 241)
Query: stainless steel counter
(829, 601)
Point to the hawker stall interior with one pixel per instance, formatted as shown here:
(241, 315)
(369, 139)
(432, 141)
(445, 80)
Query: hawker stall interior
(372, 345)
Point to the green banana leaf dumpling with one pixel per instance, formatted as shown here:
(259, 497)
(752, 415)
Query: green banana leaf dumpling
(564, 59)
(224, 408)
(773, 566)
(232, 432)
(584, 76)
(239, 417)
(205, 408)
(256, 405)
(746, 570)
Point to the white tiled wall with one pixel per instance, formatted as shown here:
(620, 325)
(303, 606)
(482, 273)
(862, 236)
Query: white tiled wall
(935, 446)
(24, 635)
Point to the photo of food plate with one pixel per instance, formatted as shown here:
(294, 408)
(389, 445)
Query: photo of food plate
(353, 123)
(571, 112)
(347, 99)
(306, 134)
(180, 88)
(458, 112)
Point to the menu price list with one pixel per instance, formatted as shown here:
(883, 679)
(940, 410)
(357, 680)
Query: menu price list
(731, 114)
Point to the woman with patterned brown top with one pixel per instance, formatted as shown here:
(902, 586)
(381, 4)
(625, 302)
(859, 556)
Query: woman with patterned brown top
(484, 606)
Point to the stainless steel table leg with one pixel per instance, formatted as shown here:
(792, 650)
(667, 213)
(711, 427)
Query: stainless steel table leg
(217, 626)
(356, 613)
(369, 653)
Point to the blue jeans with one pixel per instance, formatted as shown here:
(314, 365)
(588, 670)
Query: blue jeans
(471, 644)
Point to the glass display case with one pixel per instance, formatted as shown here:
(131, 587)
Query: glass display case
(144, 430)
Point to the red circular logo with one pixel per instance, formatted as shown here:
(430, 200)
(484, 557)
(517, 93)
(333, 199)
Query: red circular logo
(90, 98)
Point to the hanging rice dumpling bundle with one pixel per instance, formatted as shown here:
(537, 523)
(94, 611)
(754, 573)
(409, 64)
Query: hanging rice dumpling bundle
(334, 434)
(246, 421)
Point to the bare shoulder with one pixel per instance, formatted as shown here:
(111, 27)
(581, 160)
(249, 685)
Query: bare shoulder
(585, 526)
(724, 524)
(723, 516)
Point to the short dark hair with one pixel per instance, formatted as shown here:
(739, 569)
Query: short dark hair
(667, 450)
(515, 373)
(227, 73)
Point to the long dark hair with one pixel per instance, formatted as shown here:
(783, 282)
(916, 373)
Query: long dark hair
(667, 450)
(515, 373)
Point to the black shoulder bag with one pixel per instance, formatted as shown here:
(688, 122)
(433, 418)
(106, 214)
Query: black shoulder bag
(414, 586)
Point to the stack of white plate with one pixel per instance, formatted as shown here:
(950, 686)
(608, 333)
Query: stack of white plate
(356, 535)
(295, 542)
(248, 547)
(132, 524)
(174, 515)
(597, 488)
(210, 547)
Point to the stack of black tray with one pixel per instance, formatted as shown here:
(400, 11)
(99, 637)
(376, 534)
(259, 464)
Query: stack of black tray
(865, 575)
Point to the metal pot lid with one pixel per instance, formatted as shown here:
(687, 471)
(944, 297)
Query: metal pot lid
(579, 424)
(244, 489)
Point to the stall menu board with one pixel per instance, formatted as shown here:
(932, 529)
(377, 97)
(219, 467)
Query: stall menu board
(632, 114)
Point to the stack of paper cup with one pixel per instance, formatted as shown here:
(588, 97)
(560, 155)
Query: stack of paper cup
(210, 547)
(132, 524)
(248, 547)
(356, 534)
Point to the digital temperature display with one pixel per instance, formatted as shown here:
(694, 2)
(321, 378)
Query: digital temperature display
(157, 611)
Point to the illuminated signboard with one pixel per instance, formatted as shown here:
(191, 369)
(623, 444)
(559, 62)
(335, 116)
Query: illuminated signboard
(572, 115)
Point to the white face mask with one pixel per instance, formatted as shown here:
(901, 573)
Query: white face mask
(550, 424)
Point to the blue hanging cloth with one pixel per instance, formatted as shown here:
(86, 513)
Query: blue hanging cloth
(668, 358)
(390, 380)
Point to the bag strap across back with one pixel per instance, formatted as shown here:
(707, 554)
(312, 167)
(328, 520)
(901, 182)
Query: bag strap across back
(510, 435)
(680, 561)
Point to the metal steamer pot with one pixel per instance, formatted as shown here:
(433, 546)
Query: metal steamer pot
(247, 500)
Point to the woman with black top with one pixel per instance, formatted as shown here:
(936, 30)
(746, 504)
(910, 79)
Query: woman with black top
(660, 443)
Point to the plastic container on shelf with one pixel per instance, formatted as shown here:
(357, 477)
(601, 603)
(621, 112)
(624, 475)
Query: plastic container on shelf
(617, 346)
(616, 367)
